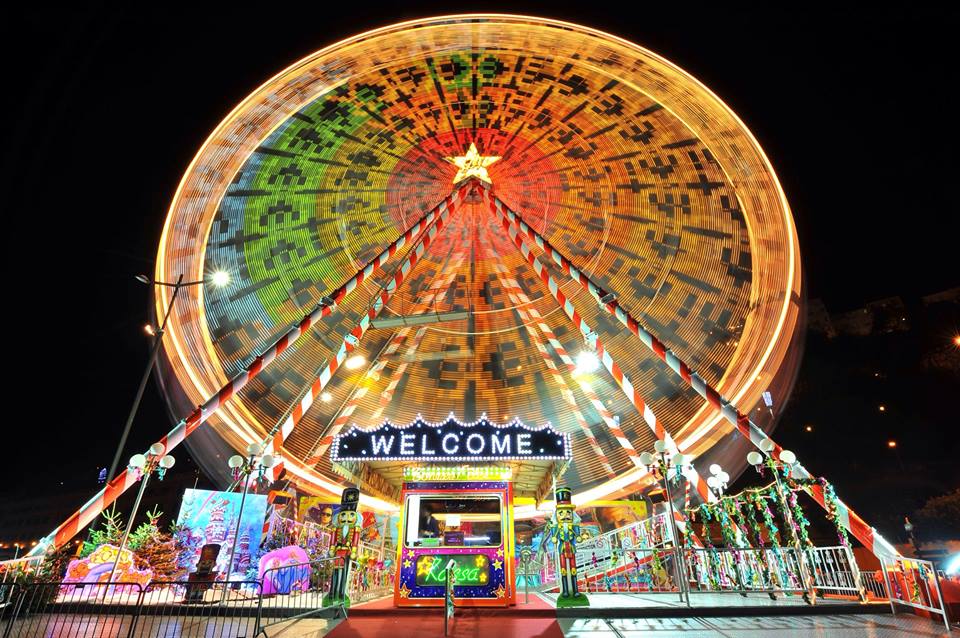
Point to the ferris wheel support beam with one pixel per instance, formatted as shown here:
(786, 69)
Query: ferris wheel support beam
(622, 380)
(860, 529)
(126, 479)
(274, 441)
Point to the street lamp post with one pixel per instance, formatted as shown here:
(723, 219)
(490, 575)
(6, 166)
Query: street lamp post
(786, 459)
(219, 279)
(908, 528)
(153, 461)
(662, 462)
(242, 468)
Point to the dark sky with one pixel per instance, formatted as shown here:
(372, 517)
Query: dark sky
(109, 103)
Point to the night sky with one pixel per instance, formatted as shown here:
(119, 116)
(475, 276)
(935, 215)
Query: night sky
(107, 105)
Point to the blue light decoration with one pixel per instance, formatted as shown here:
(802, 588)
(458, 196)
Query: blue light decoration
(452, 441)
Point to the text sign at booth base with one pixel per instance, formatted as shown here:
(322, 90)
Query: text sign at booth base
(468, 569)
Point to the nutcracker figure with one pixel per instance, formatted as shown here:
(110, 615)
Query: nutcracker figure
(564, 531)
(346, 538)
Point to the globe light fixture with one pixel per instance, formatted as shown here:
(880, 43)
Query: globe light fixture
(242, 468)
(144, 466)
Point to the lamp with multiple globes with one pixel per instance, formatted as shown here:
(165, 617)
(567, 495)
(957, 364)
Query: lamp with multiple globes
(145, 465)
(243, 467)
(660, 463)
(718, 480)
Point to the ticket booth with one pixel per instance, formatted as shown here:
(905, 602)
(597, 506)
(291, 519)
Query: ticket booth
(460, 519)
(457, 483)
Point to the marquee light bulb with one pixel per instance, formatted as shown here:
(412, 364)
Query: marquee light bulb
(354, 362)
(587, 362)
(220, 278)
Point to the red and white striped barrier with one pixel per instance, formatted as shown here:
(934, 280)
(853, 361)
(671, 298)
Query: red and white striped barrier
(124, 480)
(498, 207)
(867, 535)
(520, 300)
(274, 441)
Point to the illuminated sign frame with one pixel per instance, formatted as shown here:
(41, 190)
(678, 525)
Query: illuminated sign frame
(423, 473)
(470, 570)
(452, 441)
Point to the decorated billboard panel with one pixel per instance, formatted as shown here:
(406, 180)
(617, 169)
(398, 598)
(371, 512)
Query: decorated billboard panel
(211, 517)
(321, 510)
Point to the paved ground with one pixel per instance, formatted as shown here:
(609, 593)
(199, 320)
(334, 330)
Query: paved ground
(877, 626)
(620, 601)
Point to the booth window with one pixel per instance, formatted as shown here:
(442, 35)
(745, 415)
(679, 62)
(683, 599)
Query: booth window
(454, 521)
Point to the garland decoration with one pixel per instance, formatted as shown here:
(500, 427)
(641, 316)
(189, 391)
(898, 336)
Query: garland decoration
(773, 535)
(706, 516)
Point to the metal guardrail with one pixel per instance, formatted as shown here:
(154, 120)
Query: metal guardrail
(159, 610)
(741, 570)
(637, 570)
(745, 570)
(873, 585)
(834, 570)
(179, 609)
(295, 591)
(914, 583)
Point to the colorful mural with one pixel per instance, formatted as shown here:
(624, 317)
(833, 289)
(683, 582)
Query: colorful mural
(211, 517)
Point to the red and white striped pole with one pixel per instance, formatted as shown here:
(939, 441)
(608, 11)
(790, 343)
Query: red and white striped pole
(612, 367)
(848, 518)
(520, 299)
(124, 480)
(274, 441)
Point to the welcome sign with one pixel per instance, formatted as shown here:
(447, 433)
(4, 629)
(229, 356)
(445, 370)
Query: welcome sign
(452, 441)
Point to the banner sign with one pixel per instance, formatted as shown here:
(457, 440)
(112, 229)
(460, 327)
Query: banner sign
(451, 441)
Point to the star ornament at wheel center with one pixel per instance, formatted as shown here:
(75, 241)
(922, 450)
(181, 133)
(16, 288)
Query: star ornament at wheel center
(472, 164)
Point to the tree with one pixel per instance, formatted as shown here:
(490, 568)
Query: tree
(939, 518)
(110, 533)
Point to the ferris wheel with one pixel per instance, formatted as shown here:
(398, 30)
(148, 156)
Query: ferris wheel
(490, 216)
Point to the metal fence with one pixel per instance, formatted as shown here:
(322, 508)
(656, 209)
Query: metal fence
(742, 570)
(916, 584)
(834, 570)
(745, 570)
(232, 609)
(634, 570)
(873, 585)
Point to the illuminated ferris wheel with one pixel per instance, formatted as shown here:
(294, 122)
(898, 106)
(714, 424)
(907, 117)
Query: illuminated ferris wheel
(480, 215)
